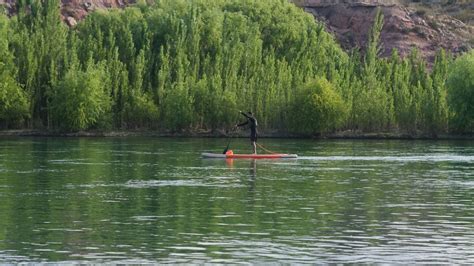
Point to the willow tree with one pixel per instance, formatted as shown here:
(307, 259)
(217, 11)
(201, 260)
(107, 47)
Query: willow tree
(460, 84)
(39, 43)
(179, 65)
(373, 104)
(317, 108)
(14, 102)
(80, 100)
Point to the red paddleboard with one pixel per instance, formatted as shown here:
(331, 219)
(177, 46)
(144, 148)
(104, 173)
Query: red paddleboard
(249, 156)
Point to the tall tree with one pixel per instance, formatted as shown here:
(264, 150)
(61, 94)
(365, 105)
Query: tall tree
(461, 93)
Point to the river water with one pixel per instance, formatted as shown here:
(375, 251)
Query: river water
(155, 200)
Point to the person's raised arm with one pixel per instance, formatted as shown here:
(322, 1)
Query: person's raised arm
(244, 114)
(244, 123)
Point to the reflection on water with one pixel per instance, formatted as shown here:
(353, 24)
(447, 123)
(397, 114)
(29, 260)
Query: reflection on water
(148, 200)
(253, 168)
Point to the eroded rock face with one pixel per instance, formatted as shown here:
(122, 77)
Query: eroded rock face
(9, 5)
(76, 9)
(403, 29)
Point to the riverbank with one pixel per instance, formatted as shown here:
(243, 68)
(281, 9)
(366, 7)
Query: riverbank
(224, 134)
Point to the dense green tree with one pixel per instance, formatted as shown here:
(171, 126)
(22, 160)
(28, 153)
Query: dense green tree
(402, 97)
(460, 84)
(140, 111)
(14, 102)
(39, 44)
(378, 115)
(80, 100)
(317, 108)
(178, 65)
(439, 112)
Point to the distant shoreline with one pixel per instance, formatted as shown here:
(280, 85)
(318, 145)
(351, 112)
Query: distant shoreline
(223, 134)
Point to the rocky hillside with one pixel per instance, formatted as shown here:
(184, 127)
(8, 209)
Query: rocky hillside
(426, 24)
(459, 9)
(75, 10)
(406, 26)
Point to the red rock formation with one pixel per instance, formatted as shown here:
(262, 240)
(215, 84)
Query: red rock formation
(78, 9)
(75, 10)
(403, 29)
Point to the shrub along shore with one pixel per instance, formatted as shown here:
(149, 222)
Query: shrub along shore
(226, 134)
(190, 66)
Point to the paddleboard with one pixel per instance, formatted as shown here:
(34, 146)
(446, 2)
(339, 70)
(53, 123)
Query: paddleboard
(249, 156)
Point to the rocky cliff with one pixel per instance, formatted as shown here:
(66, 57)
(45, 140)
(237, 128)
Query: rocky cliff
(404, 27)
(75, 10)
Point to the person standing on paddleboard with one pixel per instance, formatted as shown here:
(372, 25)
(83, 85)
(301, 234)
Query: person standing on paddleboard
(253, 128)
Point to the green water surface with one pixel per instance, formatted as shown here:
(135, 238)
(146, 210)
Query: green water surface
(155, 200)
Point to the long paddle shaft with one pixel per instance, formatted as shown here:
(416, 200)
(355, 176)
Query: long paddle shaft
(227, 148)
(228, 143)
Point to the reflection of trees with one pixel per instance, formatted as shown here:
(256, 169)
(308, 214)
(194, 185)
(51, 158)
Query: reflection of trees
(305, 199)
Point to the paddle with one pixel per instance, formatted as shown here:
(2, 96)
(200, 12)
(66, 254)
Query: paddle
(228, 143)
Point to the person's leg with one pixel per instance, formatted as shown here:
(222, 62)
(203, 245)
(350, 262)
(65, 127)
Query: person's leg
(254, 145)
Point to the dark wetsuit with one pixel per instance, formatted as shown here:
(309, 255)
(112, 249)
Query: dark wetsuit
(253, 126)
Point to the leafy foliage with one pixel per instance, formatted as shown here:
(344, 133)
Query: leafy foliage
(80, 99)
(14, 103)
(317, 108)
(461, 92)
(179, 65)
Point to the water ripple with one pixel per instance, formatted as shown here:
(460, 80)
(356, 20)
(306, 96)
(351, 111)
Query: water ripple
(83, 201)
(420, 158)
